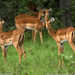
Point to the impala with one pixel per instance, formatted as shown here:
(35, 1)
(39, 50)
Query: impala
(46, 11)
(15, 38)
(40, 14)
(31, 24)
(61, 36)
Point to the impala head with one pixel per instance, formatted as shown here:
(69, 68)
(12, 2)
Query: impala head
(46, 11)
(48, 22)
(41, 12)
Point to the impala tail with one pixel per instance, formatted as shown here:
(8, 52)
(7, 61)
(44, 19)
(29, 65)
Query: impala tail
(21, 39)
(73, 37)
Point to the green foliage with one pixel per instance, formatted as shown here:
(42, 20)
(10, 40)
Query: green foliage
(73, 11)
(10, 9)
(64, 9)
(70, 62)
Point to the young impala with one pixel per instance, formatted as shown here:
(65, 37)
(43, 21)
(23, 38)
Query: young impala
(31, 24)
(15, 38)
(61, 36)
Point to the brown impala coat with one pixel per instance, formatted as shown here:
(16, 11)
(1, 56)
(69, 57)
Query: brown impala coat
(21, 27)
(61, 36)
(15, 38)
(29, 23)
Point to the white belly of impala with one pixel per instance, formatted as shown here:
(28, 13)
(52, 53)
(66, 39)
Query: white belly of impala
(30, 28)
(65, 40)
(8, 44)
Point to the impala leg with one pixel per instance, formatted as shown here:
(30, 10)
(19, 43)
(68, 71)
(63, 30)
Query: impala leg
(62, 47)
(23, 51)
(35, 35)
(19, 51)
(32, 33)
(58, 44)
(41, 36)
(72, 46)
(22, 48)
(4, 51)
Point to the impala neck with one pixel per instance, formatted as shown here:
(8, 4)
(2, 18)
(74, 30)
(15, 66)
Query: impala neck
(46, 17)
(51, 31)
(39, 16)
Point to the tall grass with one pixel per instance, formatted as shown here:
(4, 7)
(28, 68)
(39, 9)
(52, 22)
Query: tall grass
(41, 59)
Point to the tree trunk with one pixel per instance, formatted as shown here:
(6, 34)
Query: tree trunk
(0, 8)
(65, 9)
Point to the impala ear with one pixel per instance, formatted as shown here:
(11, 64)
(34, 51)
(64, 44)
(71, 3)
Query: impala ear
(38, 8)
(42, 20)
(43, 9)
(3, 22)
(52, 19)
(50, 9)
(1, 19)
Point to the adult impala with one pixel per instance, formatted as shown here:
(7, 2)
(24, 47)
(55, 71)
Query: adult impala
(40, 14)
(15, 38)
(31, 24)
(61, 36)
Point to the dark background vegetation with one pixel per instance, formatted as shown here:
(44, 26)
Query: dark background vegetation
(62, 10)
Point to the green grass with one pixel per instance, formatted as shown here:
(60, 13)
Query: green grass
(41, 59)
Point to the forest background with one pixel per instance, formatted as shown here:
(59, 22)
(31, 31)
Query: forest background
(62, 10)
